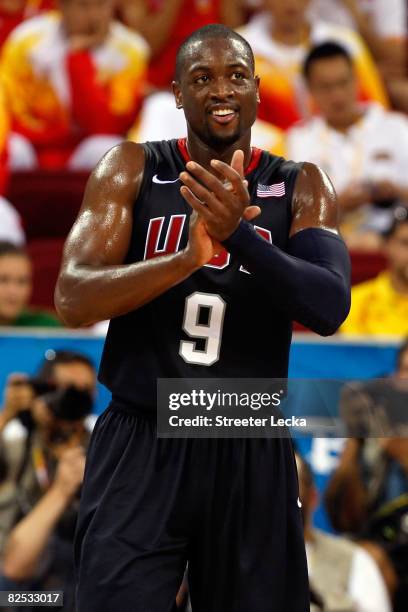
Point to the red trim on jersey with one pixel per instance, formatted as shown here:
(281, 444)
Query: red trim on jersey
(253, 162)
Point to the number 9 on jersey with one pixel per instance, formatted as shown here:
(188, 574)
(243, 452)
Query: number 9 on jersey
(210, 332)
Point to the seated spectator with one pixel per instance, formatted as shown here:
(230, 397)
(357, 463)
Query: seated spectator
(44, 470)
(383, 25)
(166, 23)
(339, 570)
(13, 12)
(281, 37)
(11, 229)
(380, 306)
(161, 120)
(367, 493)
(73, 83)
(15, 290)
(363, 148)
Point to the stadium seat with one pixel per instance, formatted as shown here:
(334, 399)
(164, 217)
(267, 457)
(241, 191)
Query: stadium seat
(46, 255)
(47, 201)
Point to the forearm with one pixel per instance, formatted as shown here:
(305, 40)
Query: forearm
(383, 49)
(29, 538)
(392, 62)
(47, 134)
(86, 294)
(345, 497)
(6, 415)
(367, 31)
(348, 203)
(309, 283)
(3, 419)
(403, 194)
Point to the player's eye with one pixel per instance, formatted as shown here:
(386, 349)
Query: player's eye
(201, 79)
(238, 75)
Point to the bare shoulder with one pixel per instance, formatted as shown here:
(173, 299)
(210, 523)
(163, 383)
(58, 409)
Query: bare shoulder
(314, 200)
(119, 173)
(102, 229)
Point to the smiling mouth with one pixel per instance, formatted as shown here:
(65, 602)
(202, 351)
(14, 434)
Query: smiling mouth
(223, 116)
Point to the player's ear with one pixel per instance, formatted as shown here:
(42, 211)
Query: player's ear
(257, 81)
(177, 94)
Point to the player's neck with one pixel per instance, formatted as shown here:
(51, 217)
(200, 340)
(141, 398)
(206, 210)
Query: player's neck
(203, 154)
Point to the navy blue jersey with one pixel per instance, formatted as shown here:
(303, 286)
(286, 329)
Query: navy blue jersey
(220, 322)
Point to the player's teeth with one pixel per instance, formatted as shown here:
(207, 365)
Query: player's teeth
(224, 111)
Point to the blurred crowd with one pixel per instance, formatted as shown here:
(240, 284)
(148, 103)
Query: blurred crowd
(79, 76)
(45, 425)
(44, 430)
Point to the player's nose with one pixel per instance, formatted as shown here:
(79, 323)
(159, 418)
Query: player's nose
(221, 89)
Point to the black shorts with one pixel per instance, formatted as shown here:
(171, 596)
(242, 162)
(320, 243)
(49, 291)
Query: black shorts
(227, 506)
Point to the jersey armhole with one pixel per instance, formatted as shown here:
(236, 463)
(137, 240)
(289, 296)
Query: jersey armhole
(150, 166)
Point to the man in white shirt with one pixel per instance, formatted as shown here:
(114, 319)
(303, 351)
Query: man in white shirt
(281, 36)
(342, 574)
(383, 25)
(363, 148)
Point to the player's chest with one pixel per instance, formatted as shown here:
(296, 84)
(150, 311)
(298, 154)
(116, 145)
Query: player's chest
(161, 221)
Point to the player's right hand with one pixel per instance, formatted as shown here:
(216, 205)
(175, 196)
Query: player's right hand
(201, 247)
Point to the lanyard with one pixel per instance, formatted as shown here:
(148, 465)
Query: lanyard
(40, 467)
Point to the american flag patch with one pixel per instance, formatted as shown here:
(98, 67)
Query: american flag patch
(271, 191)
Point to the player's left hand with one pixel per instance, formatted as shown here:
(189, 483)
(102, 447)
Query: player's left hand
(221, 202)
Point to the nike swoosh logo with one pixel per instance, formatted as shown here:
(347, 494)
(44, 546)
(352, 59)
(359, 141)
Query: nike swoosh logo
(159, 182)
(299, 503)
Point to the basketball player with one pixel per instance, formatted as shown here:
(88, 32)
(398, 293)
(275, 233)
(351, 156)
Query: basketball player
(139, 256)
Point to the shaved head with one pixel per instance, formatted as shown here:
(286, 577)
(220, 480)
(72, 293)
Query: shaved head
(211, 32)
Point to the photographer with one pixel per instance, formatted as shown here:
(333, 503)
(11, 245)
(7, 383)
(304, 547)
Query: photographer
(43, 472)
(367, 496)
(339, 569)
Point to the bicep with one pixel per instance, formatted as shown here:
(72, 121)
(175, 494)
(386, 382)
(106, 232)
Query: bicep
(102, 230)
(314, 201)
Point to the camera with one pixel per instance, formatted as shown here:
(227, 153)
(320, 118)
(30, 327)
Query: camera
(68, 404)
(375, 408)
